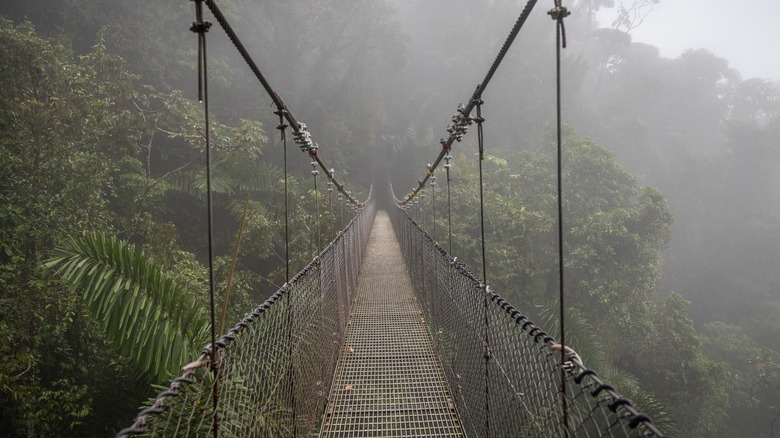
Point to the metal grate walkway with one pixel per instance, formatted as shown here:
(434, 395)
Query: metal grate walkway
(388, 380)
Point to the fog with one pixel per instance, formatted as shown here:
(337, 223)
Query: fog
(743, 33)
(671, 168)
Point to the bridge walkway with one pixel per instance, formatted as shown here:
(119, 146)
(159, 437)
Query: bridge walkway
(388, 380)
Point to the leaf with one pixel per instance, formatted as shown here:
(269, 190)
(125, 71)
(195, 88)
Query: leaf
(141, 308)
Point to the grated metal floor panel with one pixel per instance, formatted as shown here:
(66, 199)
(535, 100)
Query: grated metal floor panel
(388, 380)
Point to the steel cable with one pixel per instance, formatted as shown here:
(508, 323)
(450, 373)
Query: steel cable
(464, 112)
(525, 379)
(200, 27)
(297, 127)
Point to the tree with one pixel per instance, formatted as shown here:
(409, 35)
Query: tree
(614, 229)
(671, 360)
(614, 233)
(86, 148)
(64, 123)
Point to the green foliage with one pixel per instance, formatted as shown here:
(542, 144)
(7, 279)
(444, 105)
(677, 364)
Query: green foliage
(141, 308)
(671, 360)
(752, 378)
(583, 338)
(65, 121)
(614, 233)
(85, 147)
(614, 230)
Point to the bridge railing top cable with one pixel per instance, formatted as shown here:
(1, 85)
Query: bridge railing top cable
(272, 319)
(275, 364)
(523, 380)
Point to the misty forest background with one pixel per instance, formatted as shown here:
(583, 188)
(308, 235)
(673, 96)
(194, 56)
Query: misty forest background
(671, 187)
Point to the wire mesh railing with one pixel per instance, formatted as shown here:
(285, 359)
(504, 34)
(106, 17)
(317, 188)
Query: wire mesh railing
(275, 366)
(505, 372)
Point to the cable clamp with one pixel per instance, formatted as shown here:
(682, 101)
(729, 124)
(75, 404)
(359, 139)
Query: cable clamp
(571, 355)
(559, 13)
(200, 27)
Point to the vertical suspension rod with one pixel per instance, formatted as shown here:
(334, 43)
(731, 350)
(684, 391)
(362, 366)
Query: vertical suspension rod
(447, 167)
(200, 27)
(558, 13)
(485, 290)
(288, 298)
(294, 124)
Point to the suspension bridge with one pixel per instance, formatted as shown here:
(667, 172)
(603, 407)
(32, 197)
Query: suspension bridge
(385, 333)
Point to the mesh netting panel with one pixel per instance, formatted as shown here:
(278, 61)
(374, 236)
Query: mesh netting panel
(275, 366)
(504, 372)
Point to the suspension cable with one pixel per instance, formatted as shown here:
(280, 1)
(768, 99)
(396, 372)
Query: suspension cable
(282, 127)
(318, 260)
(422, 208)
(300, 132)
(558, 13)
(314, 173)
(480, 120)
(433, 204)
(330, 205)
(341, 209)
(201, 27)
(461, 120)
(485, 290)
(447, 167)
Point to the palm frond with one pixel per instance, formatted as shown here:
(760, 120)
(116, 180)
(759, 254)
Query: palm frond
(140, 308)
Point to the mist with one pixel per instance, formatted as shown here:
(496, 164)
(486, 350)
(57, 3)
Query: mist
(671, 182)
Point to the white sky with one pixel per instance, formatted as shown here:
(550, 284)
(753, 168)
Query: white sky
(744, 32)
